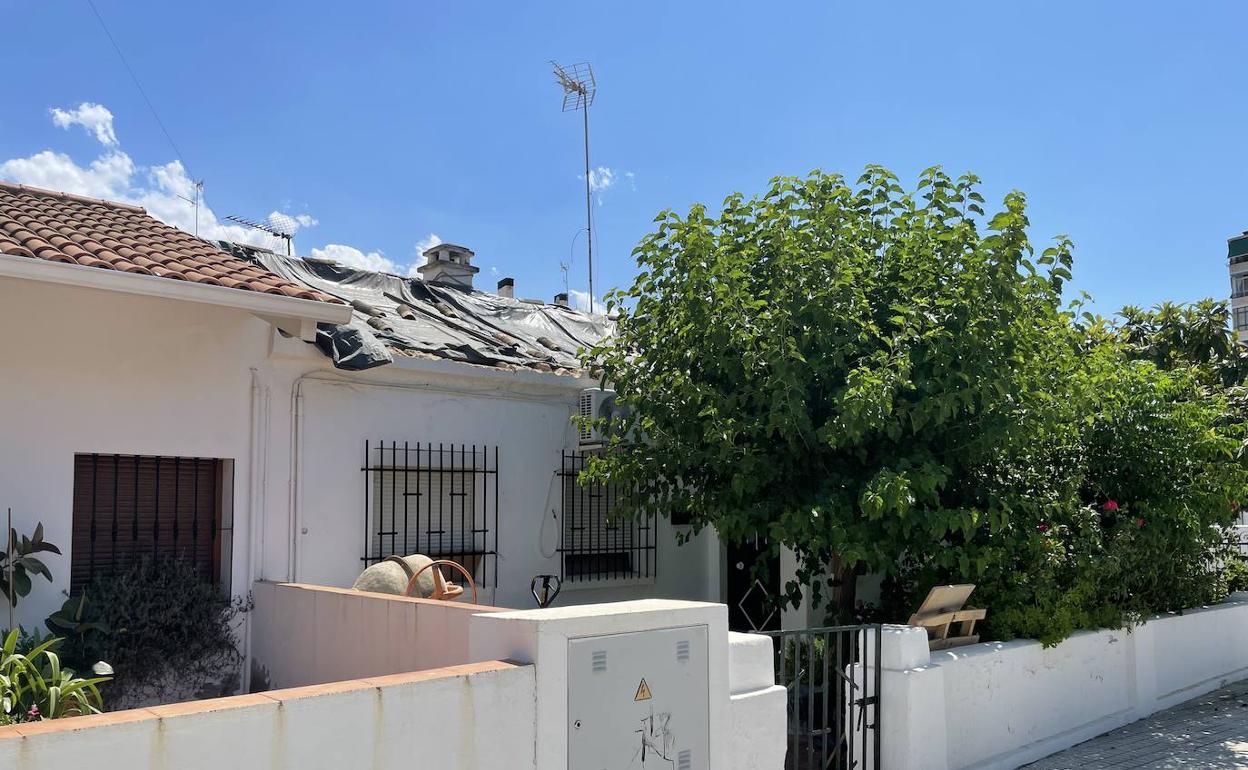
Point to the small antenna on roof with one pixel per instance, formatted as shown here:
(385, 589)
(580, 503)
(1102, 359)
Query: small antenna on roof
(278, 225)
(563, 267)
(199, 193)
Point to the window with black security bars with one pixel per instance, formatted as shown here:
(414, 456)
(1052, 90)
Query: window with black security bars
(126, 507)
(595, 542)
(440, 500)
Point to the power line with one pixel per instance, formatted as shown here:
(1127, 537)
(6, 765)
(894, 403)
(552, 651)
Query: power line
(139, 86)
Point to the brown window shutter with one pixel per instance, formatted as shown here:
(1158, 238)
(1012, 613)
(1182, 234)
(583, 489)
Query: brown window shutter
(127, 506)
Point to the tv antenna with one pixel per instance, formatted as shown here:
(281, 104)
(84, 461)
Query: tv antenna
(579, 88)
(199, 194)
(277, 225)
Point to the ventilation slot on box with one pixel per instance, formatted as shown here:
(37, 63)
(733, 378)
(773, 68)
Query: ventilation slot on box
(684, 760)
(682, 650)
(599, 661)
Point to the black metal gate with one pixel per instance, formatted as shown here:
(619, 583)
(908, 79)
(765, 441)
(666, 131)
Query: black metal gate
(832, 679)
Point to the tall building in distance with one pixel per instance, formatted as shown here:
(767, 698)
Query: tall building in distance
(1237, 261)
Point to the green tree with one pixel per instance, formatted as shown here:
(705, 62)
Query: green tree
(888, 381)
(837, 368)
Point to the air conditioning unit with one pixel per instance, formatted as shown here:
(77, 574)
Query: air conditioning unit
(611, 418)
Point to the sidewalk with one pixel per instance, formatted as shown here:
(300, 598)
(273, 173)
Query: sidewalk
(1210, 732)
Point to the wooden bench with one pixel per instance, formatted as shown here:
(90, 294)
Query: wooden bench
(942, 608)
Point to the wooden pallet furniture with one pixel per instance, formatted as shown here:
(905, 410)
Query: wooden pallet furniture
(942, 608)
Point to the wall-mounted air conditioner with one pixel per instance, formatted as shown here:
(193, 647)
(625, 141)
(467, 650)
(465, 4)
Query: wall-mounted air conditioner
(611, 417)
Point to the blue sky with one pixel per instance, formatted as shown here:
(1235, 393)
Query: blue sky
(1125, 124)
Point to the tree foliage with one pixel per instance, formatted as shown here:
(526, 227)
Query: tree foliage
(887, 380)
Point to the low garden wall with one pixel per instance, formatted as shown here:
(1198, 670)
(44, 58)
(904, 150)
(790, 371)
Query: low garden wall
(511, 711)
(466, 717)
(308, 634)
(1001, 705)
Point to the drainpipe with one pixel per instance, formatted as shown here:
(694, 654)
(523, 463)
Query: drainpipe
(294, 519)
(257, 476)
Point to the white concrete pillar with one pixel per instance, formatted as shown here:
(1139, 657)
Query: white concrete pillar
(912, 721)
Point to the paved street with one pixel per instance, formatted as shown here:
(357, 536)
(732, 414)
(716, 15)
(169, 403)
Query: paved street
(1210, 733)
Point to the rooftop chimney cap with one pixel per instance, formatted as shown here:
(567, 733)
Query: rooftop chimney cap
(449, 264)
(444, 246)
(561, 299)
(507, 287)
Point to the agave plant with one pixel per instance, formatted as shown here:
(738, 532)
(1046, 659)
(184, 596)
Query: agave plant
(19, 561)
(35, 686)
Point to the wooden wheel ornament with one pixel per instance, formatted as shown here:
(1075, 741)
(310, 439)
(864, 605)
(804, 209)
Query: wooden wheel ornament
(443, 591)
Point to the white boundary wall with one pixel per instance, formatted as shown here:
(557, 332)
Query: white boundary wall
(492, 715)
(1001, 705)
(467, 717)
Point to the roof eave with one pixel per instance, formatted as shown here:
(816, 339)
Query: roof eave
(289, 313)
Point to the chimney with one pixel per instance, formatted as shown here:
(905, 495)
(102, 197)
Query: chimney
(507, 287)
(449, 265)
(561, 299)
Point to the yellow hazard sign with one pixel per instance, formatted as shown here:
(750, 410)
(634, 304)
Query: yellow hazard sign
(643, 691)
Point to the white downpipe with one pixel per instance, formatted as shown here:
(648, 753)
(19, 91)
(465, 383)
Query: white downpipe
(257, 451)
(296, 478)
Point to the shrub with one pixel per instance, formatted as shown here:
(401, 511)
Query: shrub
(165, 631)
(34, 685)
(1117, 511)
(20, 559)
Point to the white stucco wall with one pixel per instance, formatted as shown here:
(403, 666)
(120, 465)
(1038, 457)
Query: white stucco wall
(472, 718)
(304, 634)
(526, 415)
(96, 371)
(1001, 705)
(93, 371)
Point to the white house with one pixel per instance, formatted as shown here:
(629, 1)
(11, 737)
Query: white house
(288, 420)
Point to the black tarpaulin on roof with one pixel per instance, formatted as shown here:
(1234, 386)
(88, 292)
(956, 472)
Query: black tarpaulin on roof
(409, 315)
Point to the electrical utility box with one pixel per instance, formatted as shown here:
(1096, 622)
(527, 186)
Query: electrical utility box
(639, 700)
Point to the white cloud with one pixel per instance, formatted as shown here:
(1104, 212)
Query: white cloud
(579, 300)
(95, 118)
(108, 176)
(164, 190)
(601, 178)
(292, 222)
(426, 243)
(353, 257)
(423, 245)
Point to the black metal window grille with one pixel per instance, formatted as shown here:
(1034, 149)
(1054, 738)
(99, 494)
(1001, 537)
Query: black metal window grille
(440, 500)
(594, 543)
(832, 680)
(129, 506)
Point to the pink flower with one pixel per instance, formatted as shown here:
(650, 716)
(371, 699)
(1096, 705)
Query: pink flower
(33, 714)
(1042, 527)
(1139, 522)
(1110, 505)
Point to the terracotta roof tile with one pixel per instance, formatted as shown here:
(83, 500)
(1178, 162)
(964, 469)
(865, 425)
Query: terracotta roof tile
(59, 227)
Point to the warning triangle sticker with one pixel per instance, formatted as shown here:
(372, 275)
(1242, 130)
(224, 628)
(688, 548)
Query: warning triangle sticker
(643, 691)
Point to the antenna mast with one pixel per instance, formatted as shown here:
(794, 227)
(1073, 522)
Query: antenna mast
(278, 225)
(579, 88)
(199, 193)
